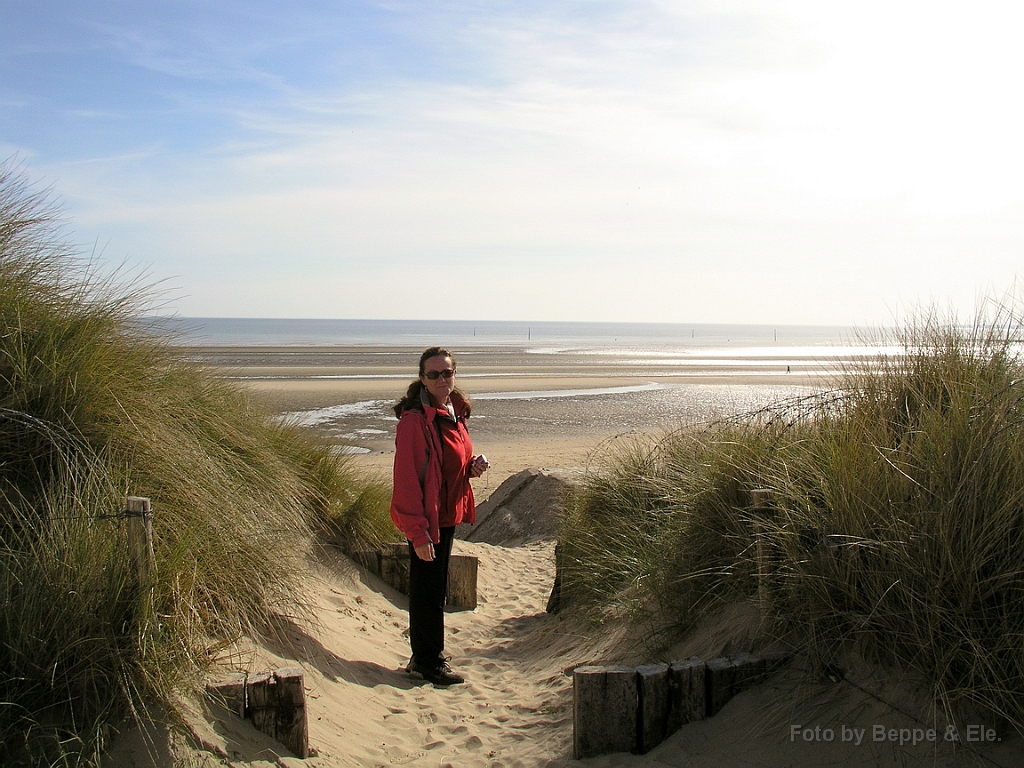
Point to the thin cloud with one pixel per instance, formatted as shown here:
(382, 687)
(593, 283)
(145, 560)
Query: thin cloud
(667, 160)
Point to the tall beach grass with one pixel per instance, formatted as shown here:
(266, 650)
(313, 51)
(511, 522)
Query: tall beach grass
(95, 407)
(896, 525)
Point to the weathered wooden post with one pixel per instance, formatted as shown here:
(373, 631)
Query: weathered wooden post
(276, 704)
(368, 559)
(729, 676)
(462, 574)
(555, 598)
(687, 693)
(140, 538)
(604, 703)
(718, 678)
(394, 566)
(230, 693)
(139, 515)
(653, 706)
(761, 512)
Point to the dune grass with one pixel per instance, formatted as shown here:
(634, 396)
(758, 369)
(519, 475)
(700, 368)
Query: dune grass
(897, 520)
(95, 407)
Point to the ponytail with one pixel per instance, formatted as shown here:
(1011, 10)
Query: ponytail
(410, 400)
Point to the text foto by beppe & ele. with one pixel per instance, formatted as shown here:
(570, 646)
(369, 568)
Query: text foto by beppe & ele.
(876, 733)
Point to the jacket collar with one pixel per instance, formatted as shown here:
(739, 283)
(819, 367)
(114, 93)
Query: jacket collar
(458, 405)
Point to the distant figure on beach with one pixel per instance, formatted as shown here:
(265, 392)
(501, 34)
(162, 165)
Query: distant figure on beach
(434, 462)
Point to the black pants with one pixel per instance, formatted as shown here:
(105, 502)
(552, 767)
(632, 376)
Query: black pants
(428, 587)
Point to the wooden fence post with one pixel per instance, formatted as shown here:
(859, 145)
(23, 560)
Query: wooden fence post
(604, 717)
(230, 693)
(687, 692)
(618, 709)
(394, 566)
(139, 515)
(653, 706)
(462, 575)
(140, 538)
(276, 704)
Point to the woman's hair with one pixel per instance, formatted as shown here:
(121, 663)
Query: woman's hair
(412, 395)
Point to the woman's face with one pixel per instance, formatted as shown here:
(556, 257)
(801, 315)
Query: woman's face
(438, 388)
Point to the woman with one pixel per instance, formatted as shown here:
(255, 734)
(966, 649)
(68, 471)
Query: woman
(433, 464)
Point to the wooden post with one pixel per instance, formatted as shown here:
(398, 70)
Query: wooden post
(555, 598)
(619, 709)
(277, 707)
(761, 511)
(687, 693)
(750, 671)
(718, 678)
(653, 702)
(139, 515)
(394, 566)
(368, 559)
(729, 676)
(604, 714)
(259, 701)
(395, 549)
(462, 572)
(462, 575)
(140, 538)
(230, 693)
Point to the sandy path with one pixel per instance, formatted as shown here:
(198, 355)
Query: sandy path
(515, 708)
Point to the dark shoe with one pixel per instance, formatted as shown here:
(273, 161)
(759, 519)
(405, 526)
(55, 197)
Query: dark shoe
(440, 675)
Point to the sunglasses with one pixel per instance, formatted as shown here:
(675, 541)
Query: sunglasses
(433, 375)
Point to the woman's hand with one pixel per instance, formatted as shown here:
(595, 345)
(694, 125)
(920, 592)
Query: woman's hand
(478, 465)
(425, 552)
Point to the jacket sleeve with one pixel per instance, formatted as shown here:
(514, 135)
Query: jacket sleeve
(407, 508)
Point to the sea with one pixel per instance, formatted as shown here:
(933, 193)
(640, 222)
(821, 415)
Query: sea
(657, 373)
(545, 336)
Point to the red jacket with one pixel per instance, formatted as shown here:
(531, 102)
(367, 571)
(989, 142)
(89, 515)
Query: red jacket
(416, 495)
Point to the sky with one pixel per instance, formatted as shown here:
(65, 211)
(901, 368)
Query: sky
(695, 161)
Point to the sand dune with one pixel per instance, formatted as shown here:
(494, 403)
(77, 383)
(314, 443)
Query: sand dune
(516, 706)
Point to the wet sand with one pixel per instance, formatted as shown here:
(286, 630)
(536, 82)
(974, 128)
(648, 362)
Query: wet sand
(551, 409)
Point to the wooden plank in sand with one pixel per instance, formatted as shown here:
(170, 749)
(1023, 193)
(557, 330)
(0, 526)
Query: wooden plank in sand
(230, 693)
(727, 677)
(368, 559)
(394, 566)
(604, 710)
(277, 707)
(462, 572)
(462, 575)
(652, 688)
(687, 693)
(718, 681)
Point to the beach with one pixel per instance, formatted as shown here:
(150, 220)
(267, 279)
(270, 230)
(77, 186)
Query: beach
(516, 707)
(532, 408)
